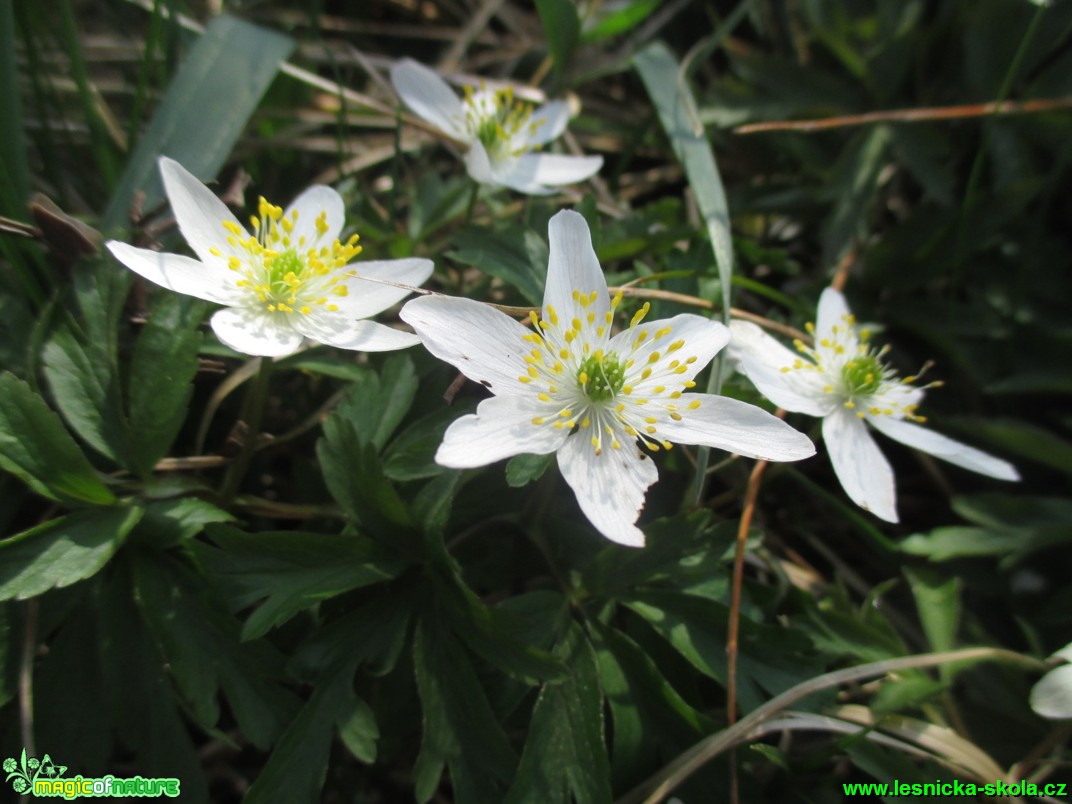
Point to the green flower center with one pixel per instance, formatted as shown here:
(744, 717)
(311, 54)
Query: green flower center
(601, 376)
(284, 273)
(497, 118)
(863, 375)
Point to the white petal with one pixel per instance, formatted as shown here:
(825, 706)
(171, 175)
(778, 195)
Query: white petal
(832, 312)
(501, 428)
(761, 358)
(896, 398)
(486, 345)
(368, 298)
(863, 470)
(478, 164)
(610, 487)
(178, 273)
(533, 173)
(309, 205)
(941, 446)
(255, 331)
(429, 96)
(572, 265)
(335, 329)
(548, 122)
(737, 427)
(199, 212)
(703, 338)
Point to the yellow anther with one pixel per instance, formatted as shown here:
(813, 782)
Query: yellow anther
(638, 316)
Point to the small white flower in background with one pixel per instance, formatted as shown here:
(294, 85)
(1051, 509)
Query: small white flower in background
(568, 386)
(1051, 697)
(289, 280)
(843, 380)
(500, 132)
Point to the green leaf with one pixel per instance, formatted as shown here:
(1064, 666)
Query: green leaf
(63, 551)
(168, 523)
(161, 371)
(562, 27)
(1012, 527)
(378, 403)
(35, 447)
(337, 364)
(460, 729)
(204, 110)
(619, 19)
(290, 571)
(518, 261)
(411, 456)
(524, 469)
(491, 633)
(296, 769)
(358, 729)
(432, 505)
(855, 185)
(899, 694)
(959, 541)
(676, 108)
(938, 603)
(82, 366)
(374, 634)
(565, 757)
(201, 646)
(356, 479)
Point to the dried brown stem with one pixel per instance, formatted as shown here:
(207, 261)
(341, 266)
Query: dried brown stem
(922, 115)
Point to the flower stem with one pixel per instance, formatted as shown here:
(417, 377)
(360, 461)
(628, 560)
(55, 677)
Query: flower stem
(472, 203)
(252, 414)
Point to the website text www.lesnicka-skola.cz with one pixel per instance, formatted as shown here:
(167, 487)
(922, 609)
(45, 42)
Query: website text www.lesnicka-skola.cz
(955, 788)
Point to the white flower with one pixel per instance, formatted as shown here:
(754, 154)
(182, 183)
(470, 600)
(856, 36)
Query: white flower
(500, 132)
(568, 386)
(843, 380)
(287, 281)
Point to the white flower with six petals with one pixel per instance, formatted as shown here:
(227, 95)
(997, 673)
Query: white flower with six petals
(500, 132)
(568, 386)
(843, 380)
(291, 279)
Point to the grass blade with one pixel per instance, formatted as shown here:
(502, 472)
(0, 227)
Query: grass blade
(201, 117)
(660, 71)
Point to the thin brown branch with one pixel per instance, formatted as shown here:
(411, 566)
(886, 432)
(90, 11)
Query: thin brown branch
(922, 115)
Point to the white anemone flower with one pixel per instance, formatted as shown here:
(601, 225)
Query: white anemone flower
(844, 380)
(567, 385)
(502, 134)
(289, 280)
